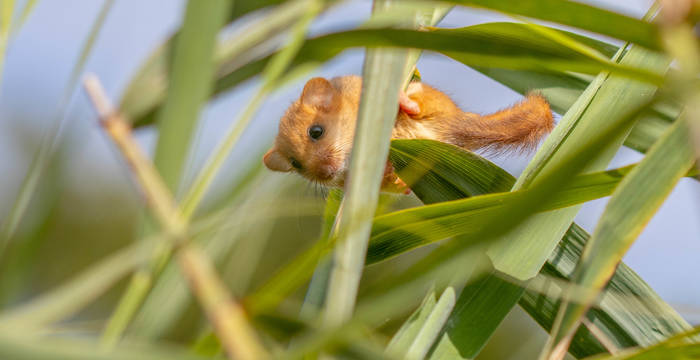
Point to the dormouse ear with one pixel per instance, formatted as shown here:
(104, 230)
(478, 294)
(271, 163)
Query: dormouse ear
(275, 161)
(318, 92)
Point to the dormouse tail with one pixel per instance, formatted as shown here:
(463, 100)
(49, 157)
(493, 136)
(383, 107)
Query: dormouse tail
(519, 127)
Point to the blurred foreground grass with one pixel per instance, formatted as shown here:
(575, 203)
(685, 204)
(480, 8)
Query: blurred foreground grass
(191, 278)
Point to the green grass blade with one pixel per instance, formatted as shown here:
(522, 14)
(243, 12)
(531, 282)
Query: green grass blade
(385, 72)
(639, 197)
(7, 9)
(410, 328)
(318, 286)
(400, 231)
(506, 45)
(433, 325)
(191, 79)
(70, 297)
(193, 196)
(316, 293)
(169, 298)
(680, 346)
(500, 213)
(630, 208)
(24, 15)
(19, 346)
(562, 90)
(148, 87)
(603, 103)
(578, 15)
(463, 338)
(271, 75)
(384, 75)
(51, 138)
(630, 314)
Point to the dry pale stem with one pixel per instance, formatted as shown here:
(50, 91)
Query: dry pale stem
(226, 315)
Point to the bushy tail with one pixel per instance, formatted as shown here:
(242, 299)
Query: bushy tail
(519, 127)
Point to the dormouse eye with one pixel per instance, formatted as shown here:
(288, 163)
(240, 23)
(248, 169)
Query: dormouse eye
(315, 131)
(295, 163)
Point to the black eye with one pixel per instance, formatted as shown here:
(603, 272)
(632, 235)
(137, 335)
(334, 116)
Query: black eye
(295, 163)
(316, 131)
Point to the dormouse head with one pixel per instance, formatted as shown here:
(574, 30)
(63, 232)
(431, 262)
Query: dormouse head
(315, 134)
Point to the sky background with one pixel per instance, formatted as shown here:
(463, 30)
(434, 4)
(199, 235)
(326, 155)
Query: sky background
(40, 60)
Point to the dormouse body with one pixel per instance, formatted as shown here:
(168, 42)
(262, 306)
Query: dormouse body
(316, 132)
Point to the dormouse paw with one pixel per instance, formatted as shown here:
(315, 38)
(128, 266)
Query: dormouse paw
(406, 104)
(392, 183)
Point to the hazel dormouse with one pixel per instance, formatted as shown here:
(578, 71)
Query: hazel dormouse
(316, 132)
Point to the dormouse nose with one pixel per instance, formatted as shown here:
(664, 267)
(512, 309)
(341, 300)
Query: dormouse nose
(325, 171)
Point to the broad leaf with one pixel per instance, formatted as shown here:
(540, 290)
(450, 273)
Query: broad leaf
(629, 314)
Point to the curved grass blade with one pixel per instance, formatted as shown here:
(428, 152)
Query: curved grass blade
(631, 206)
(531, 243)
(404, 230)
(410, 328)
(578, 15)
(14, 345)
(433, 325)
(383, 75)
(639, 197)
(271, 75)
(630, 314)
(562, 90)
(148, 87)
(681, 346)
(24, 15)
(52, 137)
(385, 72)
(508, 45)
(204, 179)
(70, 297)
(498, 44)
(606, 104)
(191, 78)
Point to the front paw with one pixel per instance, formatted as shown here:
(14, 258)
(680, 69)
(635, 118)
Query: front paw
(392, 183)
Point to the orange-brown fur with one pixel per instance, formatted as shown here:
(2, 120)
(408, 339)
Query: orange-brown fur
(333, 105)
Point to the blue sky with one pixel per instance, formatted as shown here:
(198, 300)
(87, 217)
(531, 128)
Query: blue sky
(39, 64)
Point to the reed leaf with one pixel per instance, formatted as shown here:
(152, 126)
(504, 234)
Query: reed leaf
(630, 208)
(502, 45)
(578, 15)
(191, 82)
(629, 314)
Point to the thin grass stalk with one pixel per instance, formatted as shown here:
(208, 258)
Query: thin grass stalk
(317, 290)
(142, 281)
(24, 15)
(507, 255)
(637, 198)
(274, 70)
(433, 326)
(70, 297)
(53, 136)
(385, 73)
(383, 76)
(227, 316)
(191, 81)
(7, 8)
(404, 337)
